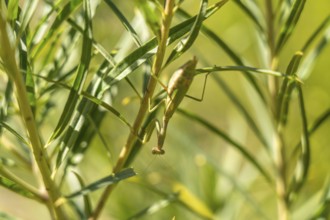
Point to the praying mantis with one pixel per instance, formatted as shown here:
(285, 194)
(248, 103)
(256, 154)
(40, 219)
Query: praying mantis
(177, 89)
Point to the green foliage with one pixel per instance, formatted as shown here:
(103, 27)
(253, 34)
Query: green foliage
(72, 136)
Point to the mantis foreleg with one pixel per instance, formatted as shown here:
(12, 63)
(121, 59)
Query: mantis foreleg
(161, 134)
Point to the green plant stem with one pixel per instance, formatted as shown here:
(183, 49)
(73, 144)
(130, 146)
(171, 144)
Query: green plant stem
(10, 65)
(9, 175)
(278, 144)
(280, 179)
(144, 107)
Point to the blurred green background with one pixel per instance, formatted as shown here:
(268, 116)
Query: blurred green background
(196, 160)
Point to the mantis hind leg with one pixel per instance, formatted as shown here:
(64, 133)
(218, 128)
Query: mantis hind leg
(203, 92)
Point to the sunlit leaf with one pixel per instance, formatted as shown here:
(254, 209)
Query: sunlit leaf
(187, 198)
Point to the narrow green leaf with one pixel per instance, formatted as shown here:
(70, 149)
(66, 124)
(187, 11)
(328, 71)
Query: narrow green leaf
(81, 141)
(302, 166)
(6, 101)
(12, 186)
(86, 121)
(106, 181)
(248, 156)
(308, 63)
(319, 29)
(73, 132)
(239, 68)
(7, 48)
(109, 108)
(314, 127)
(133, 34)
(81, 75)
(188, 41)
(319, 121)
(82, 72)
(152, 13)
(323, 212)
(12, 10)
(155, 207)
(80, 132)
(26, 68)
(290, 24)
(288, 84)
(87, 200)
(14, 132)
(124, 21)
(283, 11)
